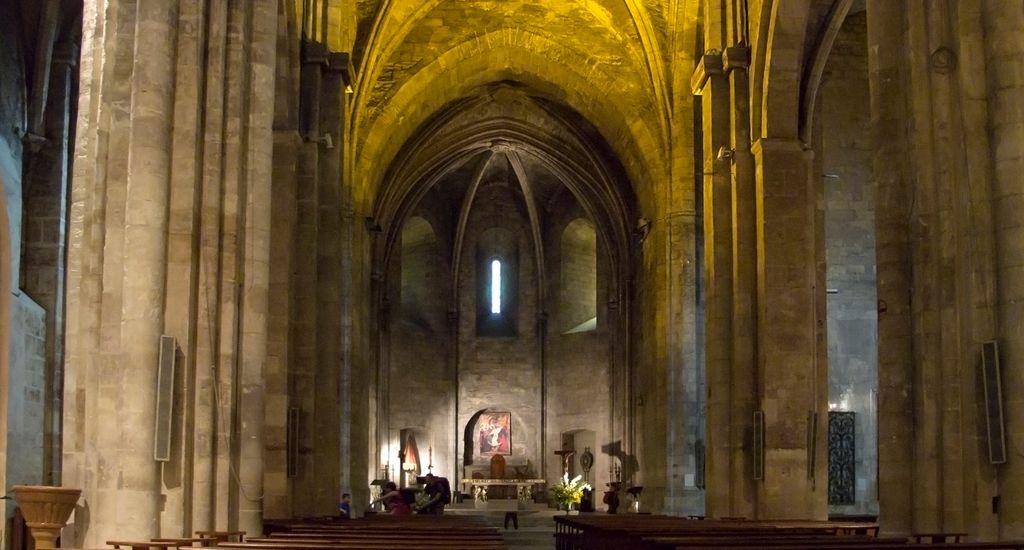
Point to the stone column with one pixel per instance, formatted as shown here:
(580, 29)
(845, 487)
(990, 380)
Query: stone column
(180, 311)
(208, 289)
(978, 306)
(710, 82)
(793, 383)
(1004, 52)
(255, 295)
(743, 389)
(353, 478)
(136, 485)
(892, 220)
(239, 117)
(84, 259)
(328, 258)
(304, 317)
(686, 388)
(277, 500)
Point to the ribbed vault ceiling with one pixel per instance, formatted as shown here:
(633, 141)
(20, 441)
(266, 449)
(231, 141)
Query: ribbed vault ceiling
(605, 59)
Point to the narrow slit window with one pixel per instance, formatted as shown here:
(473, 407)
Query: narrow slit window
(496, 287)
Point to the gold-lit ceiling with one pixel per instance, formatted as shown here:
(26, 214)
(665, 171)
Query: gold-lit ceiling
(608, 60)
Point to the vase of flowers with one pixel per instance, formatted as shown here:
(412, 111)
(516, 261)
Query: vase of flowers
(568, 493)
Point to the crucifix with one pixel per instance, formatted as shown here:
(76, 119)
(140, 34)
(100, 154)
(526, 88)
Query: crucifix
(566, 454)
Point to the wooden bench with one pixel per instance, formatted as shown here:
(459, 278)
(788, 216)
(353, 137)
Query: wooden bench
(630, 531)
(184, 542)
(939, 537)
(394, 541)
(468, 532)
(770, 541)
(221, 536)
(143, 544)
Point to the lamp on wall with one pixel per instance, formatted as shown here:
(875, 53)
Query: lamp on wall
(725, 153)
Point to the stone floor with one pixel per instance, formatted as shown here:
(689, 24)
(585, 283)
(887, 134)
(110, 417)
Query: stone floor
(536, 529)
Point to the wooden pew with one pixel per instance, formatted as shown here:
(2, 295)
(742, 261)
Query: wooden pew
(629, 531)
(408, 542)
(469, 532)
(185, 542)
(142, 544)
(217, 537)
(772, 541)
(939, 537)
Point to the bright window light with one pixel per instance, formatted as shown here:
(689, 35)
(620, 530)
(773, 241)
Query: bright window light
(496, 287)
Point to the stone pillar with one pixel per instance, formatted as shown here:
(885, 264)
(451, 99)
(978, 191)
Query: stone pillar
(710, 82)
(208, 289)
(686, 387)
(255, 295)
(277, 498)
(328, 258)
(304, 323)
(930, 269)
(180, 310)
(305, 316)
(792, 382)
(743, 389)
(277, 501)
(100, 41)
(683, 376)
(892, 248)
(978, 307)
(353, 412)
(233, 220)
(135, 485)
(1004, 52)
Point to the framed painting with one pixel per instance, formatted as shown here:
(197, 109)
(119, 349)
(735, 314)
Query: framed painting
(494, 433)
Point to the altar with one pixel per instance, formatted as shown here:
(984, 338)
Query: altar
(480, 487)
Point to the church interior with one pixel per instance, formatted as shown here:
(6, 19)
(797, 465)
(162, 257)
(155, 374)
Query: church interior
(761, 258)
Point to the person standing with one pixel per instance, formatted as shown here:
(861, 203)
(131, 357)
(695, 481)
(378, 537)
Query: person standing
(345, 506)
(394, 500)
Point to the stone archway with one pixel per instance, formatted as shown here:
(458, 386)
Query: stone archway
(543, 171)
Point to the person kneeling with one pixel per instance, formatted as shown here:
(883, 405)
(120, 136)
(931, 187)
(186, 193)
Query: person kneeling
(438, 495)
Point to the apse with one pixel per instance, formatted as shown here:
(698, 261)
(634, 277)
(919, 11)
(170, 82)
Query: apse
(504, 238)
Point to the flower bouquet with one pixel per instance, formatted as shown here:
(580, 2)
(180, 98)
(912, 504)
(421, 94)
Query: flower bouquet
(569, 492)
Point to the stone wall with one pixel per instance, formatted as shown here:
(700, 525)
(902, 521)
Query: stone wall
(577, 290)
(501, 373)
(28, 382)
(850, 251)
(26, 392)
(12, 114)
(578, 375)
(419, 358)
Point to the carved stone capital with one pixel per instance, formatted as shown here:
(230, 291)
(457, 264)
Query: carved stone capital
(709, 64)
(736, 57)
